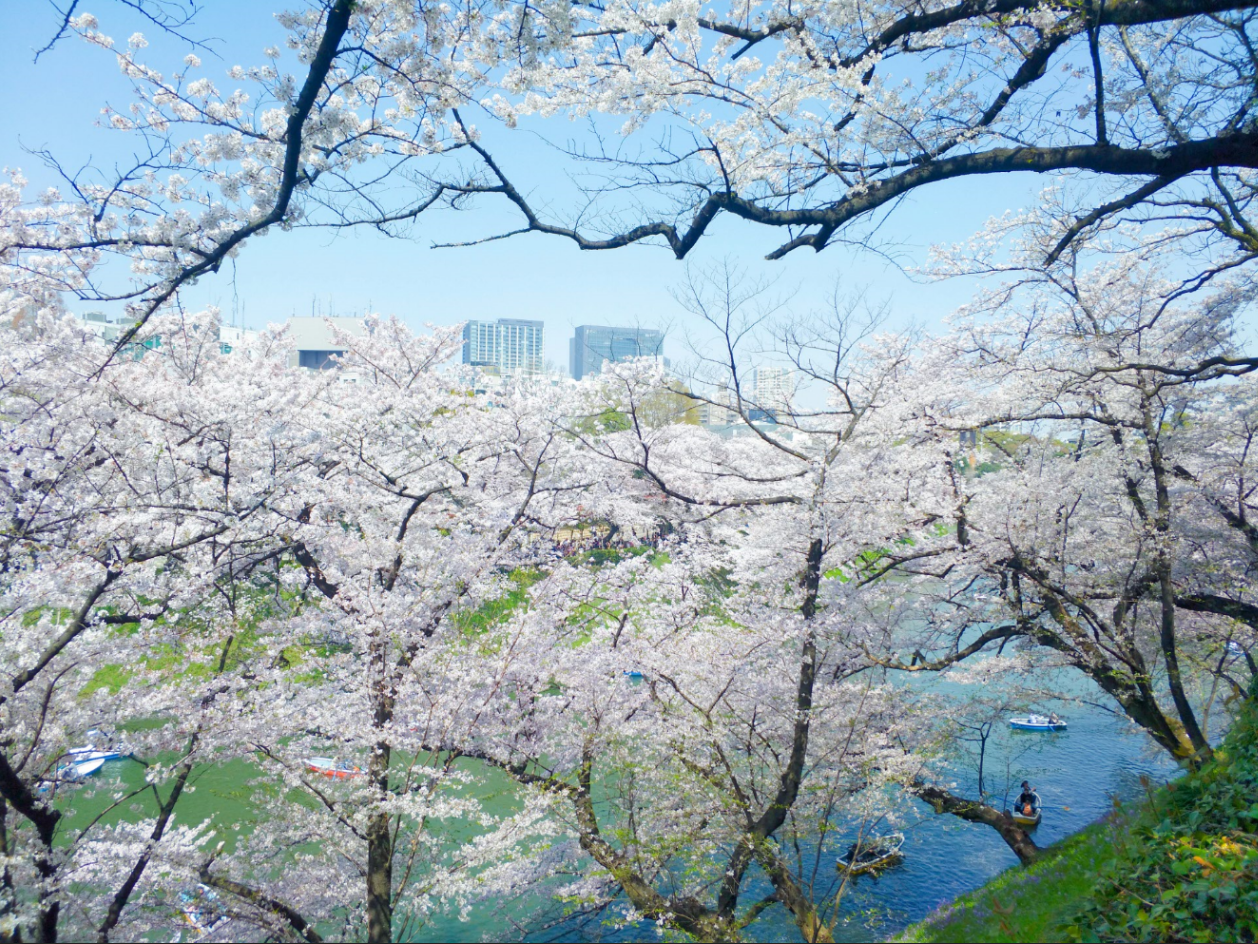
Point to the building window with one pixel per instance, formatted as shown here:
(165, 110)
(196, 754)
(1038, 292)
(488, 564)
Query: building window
(317, 360)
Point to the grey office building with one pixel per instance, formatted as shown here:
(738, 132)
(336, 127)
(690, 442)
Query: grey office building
(512, 345)
(594, 345)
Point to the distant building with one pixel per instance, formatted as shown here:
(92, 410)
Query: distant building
(512, 345)
(109, 330)
(315, 340)
(773, 390)
(99, 324)
(232, 338)
(592, 346)
(721, 413)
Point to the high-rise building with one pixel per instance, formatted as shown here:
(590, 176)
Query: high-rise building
(773, 389)
(512, 345)
(594, 345)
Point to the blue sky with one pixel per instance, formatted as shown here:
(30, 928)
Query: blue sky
(55, 103)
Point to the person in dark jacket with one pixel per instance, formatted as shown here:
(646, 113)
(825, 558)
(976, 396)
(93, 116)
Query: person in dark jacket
(1028, 800)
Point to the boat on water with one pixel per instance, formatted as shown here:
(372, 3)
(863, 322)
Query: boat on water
(1038, 723)
(1022, 818)
(75, 771)
(80, 769)
(90, 750)
(330, 767)
(81, 754)
(875, 853)
(202, 910)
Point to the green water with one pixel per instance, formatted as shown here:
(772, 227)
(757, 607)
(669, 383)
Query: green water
(1078, 773)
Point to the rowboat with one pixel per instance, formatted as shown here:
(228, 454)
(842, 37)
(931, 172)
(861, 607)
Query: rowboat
(90, 751)
(76, 771)
(875, 853)
(330, 767)
(1038, 723)
(1022, 819)
(79, 769)
(83, 754)
(201, 910)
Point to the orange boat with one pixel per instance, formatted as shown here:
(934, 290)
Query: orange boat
(331, 767)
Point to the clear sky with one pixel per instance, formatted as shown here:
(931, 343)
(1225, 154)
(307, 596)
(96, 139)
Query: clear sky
(56, 102)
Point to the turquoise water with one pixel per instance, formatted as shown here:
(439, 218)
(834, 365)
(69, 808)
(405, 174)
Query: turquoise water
(1078, 773)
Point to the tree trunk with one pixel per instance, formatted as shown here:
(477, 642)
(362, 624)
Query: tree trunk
(1017, 838)
(1163, 569)
(379, 855)
(796, 900)
(1201, 747)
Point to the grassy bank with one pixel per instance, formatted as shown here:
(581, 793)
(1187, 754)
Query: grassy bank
(1022, 904)
(1180, 866)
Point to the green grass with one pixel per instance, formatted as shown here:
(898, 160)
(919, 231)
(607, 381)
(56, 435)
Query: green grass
(1022, 904)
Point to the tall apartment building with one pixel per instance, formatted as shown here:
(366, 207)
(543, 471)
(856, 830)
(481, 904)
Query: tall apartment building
(512, 345)
(773, 389)
(594, 345)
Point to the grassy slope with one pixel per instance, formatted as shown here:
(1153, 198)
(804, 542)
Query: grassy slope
(1182, 865)
(1021, 904)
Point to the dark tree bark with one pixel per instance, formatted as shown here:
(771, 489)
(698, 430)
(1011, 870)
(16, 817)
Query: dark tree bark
(975, 811)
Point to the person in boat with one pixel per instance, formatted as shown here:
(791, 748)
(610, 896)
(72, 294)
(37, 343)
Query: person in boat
(1028, 800)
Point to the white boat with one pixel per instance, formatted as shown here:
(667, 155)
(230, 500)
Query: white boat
(81, 754)
(871, 854)
(76, 771)
(1038, 723)
(79, 769)
(90, 751)
(201, 910)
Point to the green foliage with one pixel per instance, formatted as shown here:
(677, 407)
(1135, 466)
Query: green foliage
(1187, 868)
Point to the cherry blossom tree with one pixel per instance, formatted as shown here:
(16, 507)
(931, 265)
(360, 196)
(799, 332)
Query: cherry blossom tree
(1092, 538)
(365, 562)
(125, 488)
(818, 119)
(814, 119)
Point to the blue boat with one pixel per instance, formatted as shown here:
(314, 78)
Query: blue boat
(1038, 723)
